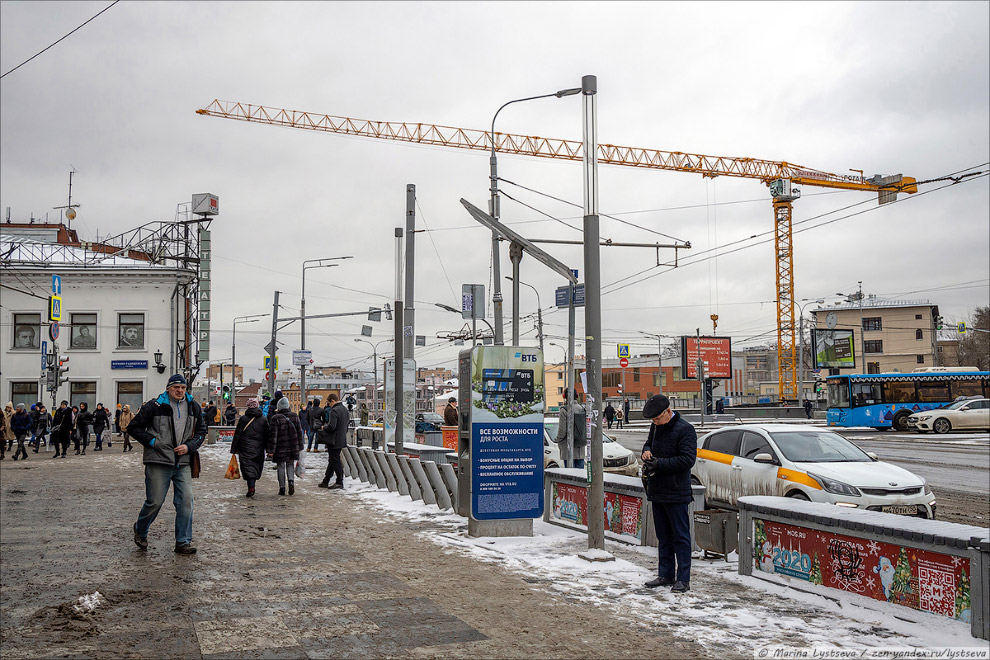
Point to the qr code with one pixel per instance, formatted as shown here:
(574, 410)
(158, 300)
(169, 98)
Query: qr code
(937, 591)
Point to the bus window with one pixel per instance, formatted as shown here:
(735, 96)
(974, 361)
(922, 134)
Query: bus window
(866, 394)
(898, 392)
(966, 388)
(933, 392)
(838, 393)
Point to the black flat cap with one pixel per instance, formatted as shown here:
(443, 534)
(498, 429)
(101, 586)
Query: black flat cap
(655, 405)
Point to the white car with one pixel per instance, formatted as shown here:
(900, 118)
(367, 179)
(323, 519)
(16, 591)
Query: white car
(965, 414)
(806, 463)
(616, 458)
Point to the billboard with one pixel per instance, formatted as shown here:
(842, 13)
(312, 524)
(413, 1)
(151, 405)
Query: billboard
(716, 354)
(834, 349)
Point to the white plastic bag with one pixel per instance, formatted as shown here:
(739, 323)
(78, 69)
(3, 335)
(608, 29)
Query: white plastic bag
(300, 468)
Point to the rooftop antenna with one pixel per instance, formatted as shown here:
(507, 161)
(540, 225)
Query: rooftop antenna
(70, 213)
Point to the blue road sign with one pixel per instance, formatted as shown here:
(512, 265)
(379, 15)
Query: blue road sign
(57, 285)
(560, 296)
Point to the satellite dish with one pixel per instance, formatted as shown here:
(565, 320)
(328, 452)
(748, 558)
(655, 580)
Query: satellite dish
(70, 214)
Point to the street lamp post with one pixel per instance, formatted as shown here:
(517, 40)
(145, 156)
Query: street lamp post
(539, 311)
(862, 339)
(317, 263)
(801, 348)
(494, 211)
(374, 353)
(233, 343)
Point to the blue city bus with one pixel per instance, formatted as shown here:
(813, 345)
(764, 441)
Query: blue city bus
(885, 401)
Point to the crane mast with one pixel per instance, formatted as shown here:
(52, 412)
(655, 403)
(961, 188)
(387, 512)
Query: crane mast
(782, 177)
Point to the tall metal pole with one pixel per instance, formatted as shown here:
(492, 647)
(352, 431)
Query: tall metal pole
(495, 211)
(515, 256)
(593, 312)
(801, 357)
(408, 340)
(700, 368)
(569, 380)
(302, 339)
(273, 348)
(399, 340)
(862, 336)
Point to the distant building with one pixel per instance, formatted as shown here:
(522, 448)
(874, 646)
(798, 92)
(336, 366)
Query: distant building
(213, 374)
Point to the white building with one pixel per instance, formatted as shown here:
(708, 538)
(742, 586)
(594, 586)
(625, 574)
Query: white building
(117, 313)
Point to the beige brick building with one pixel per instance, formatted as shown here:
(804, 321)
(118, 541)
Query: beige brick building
(892, 335)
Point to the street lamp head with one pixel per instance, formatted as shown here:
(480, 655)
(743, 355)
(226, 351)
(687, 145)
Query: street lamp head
(568, 92)
(447, 308)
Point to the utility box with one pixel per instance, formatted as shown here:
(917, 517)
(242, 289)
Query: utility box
(716, 531)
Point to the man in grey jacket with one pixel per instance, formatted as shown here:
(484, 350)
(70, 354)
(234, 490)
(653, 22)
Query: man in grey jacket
(334, 436)
(580, 433)
(170, 428)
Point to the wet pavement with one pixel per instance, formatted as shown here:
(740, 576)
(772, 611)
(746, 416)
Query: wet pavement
(316, 575)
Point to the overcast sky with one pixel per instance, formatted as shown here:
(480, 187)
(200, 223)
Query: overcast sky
(882, 87)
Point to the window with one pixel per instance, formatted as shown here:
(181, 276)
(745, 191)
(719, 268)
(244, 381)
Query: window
(635, 374)
(726, 442)
(753, 444)
(866, 394)
(130, 331)
(873, 323)
(917, 317)
(898, 392)
(130, 394)
(966, 388)
(560, 375)
(872, 367)
(873, 346)
(610, 379)
(932, 392)
(921, 359)
(26, 393)
(80, 392)
(27, 331)
(919, 335)
(83, 331)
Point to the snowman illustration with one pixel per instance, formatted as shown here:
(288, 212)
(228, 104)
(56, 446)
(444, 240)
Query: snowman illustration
(766, 564)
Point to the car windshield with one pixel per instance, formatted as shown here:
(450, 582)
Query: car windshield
(957, 405)
(817, 447)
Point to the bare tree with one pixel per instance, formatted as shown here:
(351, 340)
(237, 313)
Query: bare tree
(974, 347)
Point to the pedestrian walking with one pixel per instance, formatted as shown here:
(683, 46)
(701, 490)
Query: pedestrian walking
(668, 455)
(364, 414)
(101, 423)
(284, 444)
(625, 411)
(169, 428)
(62, 429)
(83, 422)
(580, 432)
(8, 434)
(719, 406)
(126, 417)
(618, 418)
(210, 415)
(42, 422)
(609, 414)
(450, 412)
(116, 420)
(34, 420)
(304, 418)
(317, 418)
(807, 407)
(272, 405)
(334, 436)
(249, 443)
(20, 424)
(230, 415)
(3, 434)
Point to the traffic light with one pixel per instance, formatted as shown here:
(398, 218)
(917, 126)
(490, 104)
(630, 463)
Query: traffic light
(938, 322)
(388, 312)
(819, 386)
(63, 369)
(226, 393)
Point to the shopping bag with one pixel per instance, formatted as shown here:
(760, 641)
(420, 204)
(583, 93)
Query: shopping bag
(300, 469)
(106, 437)
(232, 471)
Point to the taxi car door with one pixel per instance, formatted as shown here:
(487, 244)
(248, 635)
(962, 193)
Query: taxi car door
(715, 465)
(756, 478)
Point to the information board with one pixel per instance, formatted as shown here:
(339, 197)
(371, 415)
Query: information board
(716, 354)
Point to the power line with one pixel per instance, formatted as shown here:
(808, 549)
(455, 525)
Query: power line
(56, 42)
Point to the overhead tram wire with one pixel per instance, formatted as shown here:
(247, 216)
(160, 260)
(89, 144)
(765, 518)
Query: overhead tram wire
(693, 259)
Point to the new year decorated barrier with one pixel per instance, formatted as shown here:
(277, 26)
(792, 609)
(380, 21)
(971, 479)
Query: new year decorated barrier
(924, 565)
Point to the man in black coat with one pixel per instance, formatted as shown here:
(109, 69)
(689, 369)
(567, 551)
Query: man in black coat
(668, 456)
(334, 436)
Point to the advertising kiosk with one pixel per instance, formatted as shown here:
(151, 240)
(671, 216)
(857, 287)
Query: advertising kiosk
(500, 439)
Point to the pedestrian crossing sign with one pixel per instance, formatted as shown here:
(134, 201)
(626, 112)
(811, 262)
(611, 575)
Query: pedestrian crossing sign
(623, 350)
(268, 361)
(54, 308)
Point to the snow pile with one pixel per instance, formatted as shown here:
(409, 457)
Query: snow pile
(89, 602)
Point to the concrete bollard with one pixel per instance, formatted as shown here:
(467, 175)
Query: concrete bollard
(386, 471)
(439, 487)
(424, 482)
(352, 452)
(375, 476)
(349, 469)
(400, 478)
(414, 491)
(450, 479)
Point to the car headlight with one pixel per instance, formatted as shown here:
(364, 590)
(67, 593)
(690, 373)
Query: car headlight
(835, 487)
(923, 418)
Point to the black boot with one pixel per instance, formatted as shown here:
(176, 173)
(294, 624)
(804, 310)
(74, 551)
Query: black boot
(281, 491)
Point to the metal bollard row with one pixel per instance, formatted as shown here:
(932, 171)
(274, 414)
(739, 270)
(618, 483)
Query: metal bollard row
(420, 480)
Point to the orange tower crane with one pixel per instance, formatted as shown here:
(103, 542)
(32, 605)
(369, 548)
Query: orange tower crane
(783, 179)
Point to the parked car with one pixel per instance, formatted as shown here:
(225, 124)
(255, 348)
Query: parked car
(967, 414)
(616, 458)
(806, 463)
(428, 422)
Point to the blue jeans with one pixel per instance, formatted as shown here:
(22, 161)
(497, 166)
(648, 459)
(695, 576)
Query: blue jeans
(311, 437)
(673, 527)
(156, 482)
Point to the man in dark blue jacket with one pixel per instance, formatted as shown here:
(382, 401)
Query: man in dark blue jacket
(334, 436)
(170, 427)
(670, 451)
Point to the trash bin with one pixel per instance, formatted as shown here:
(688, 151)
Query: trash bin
(716, 531)
(433, 438)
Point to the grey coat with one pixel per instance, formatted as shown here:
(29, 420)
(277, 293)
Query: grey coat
(154, 428)
(334, 433)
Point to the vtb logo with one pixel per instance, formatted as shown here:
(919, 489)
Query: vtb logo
(526, 358)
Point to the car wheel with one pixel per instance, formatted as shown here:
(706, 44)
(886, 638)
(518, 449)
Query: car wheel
(900, 421)
(798, 495)
(941, 425)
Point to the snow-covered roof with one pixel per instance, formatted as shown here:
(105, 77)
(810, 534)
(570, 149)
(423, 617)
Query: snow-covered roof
(23, 251)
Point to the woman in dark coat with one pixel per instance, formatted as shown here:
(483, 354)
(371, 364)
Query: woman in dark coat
(250, 441)
(62, 429)
(101, 422)
(84, 419)
(285, 444)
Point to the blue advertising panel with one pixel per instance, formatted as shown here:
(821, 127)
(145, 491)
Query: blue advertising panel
(128, 364)
(507, 407)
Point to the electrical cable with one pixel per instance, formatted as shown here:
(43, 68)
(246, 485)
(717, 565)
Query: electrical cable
(439, 259)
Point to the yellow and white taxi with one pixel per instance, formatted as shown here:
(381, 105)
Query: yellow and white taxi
(807, 463)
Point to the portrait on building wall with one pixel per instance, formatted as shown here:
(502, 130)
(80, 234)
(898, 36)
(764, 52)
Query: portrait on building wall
(27, 333)
(83, 331)
(131, 328)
